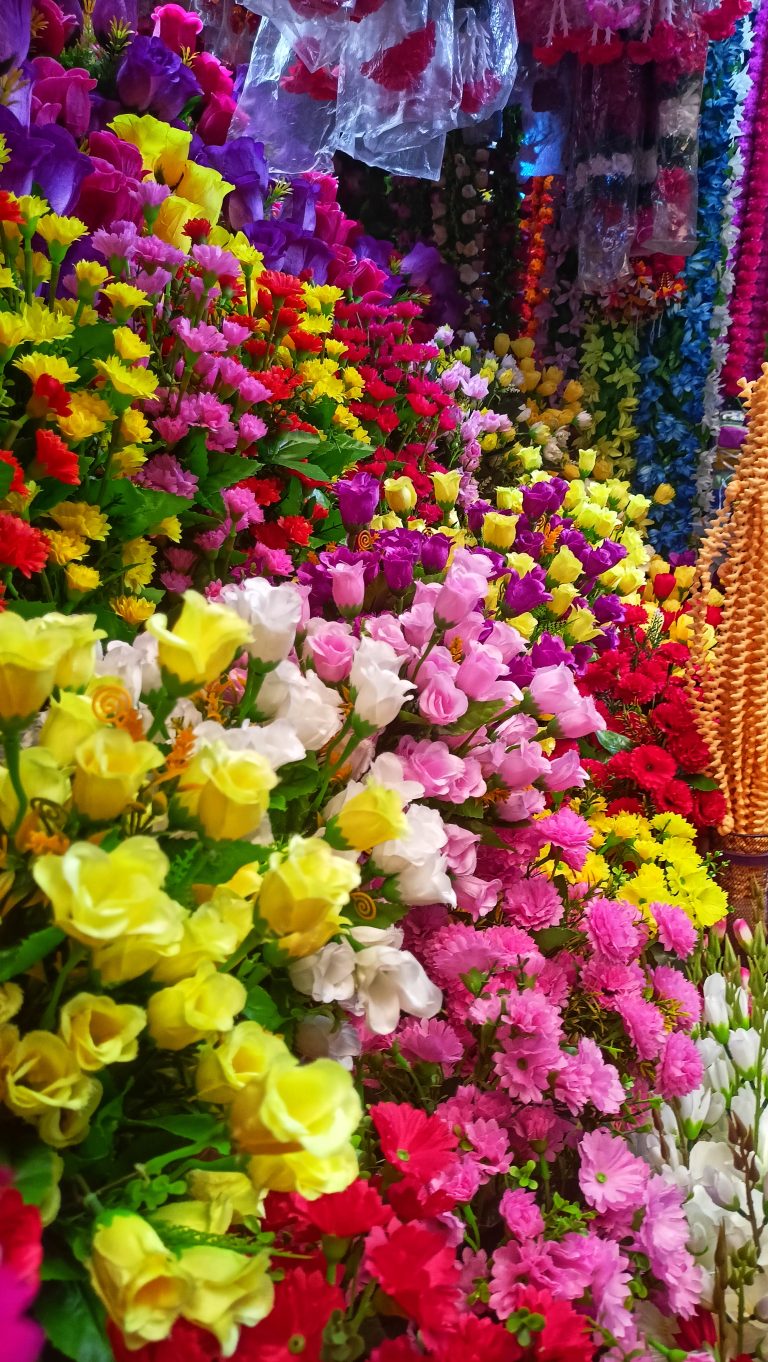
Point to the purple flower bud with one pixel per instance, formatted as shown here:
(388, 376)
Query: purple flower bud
(398, 572)
(542, 498)
(155, 80)
(435, 549)
(550, 650)
(607, 608)
(358, 499)
(525, 593)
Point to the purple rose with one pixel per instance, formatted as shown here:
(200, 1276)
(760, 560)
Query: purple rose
(435, 549)
(731, 437)
(358, 499)
(573, 540)
(528, 541)
(607, 609)
(549, 651)
(398, 571)
(542, 498)
(155, 80)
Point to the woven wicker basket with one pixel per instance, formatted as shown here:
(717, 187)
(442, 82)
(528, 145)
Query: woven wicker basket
(744, 876)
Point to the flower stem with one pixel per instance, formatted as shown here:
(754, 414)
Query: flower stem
(12, 748)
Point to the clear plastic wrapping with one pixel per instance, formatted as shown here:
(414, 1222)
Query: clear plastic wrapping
(604, 185)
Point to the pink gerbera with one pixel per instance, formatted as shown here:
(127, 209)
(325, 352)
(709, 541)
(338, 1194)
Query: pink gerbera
(610, 1177)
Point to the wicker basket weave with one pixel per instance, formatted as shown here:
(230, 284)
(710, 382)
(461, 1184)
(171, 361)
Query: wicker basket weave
(744, 876)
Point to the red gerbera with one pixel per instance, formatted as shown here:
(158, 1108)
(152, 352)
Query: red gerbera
(651, 766)
(185, 1340)
(282, 285)
(344, 1214)
(418, 1145)
(55, 458)
(304, 1303)
(17, 480)
(21, 545)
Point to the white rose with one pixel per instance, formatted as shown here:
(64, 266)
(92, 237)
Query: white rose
(328, 974)
(426, 836)
(277, 741)
(273, 613)
(135, 664)
(378, 691)
(427, 883)
(311, 708)
(390, 981)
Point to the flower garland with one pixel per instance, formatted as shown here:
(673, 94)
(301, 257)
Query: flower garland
(714, 387)
(676, 354)
(746, 338)
(611, 379)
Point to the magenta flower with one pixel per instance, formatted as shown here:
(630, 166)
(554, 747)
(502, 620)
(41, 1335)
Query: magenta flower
(164, 473)
(611, 1178)
(681, 1069)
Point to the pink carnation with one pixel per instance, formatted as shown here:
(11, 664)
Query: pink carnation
(681, 1069)
(615, 930)
(520, 1214)
(676, 931)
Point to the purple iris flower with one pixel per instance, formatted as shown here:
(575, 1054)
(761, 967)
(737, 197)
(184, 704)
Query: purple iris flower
(155, 80)
(289, 248)
(47, 157)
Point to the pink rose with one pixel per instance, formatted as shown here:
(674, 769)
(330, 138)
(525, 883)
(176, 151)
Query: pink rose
(441, 701)
(332, 649)
(348, 587)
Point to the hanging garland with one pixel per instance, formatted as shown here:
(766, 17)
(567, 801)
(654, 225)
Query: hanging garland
(676, 351)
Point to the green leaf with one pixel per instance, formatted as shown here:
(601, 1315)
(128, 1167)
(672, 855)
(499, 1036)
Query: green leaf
(222, 859)
(73, 1321)
(199, 1125)
(139, 509)
(88, 343)
(613, 742)
(703, 783)
(6, 478)
(29, 610)
(552, 939)
(480, 712)
(259, 1007)
(35, 1173)
(224, 470)
(19, 958)
(56, 1269)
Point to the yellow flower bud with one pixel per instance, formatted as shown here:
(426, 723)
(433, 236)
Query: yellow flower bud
(581, 626)
(213, 932)
(446, 487)
(234, 1190)
(562, 599)
(525, 624)
(75, 666)
(202, 642)
(372, 816)
(313, 1106)
(41, 1074)
(304, 1173)
(110, 767)
(509, 499)
(400, 494)
(137, 1279)
(522, 348)
(587, 460)
(29, 657)
(194, 1009)
(636, 507)
(664, 493)
(303, 893)
(501, 344)
(244, 1056)
(685, 576)
(69, 721)
(41, 778)
(100, 1031)
(565, 566)
(227, 790)
(499, 530)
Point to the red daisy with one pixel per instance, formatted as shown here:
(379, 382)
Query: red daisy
(304, 1303)
(651, 766)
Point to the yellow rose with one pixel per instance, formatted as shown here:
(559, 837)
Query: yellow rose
(229, 1289)
(581, 626)
(206, 1217)
(202, 642)
(308, 1106)
(400, 494)
(303, 892)
(213, 932)
(509, 499)
(565, 566)
(41, 778)
(304, 1173)
(29, 657)
(137, 1279)
(587, 461)
(501, 344)
(110, 768)
(113, 901)
(69, 721)
(233, 1190)
(11, 998)
(227, 790)
(74, 667)
(246, 881)
(40, 1073)
(193, 1009)
(100, 1031)
(499, 530)
(685, 576)
(446, 487)
(246, 1055)
(372, 816)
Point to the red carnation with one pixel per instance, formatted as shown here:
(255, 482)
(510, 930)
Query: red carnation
(651, 766)
(398, 67)
(627, 805)
(477, 1340)
(197, 229)
(690, 751)
(21, 545)
(304, 1303)
(267, 491)
(345, 1214)
(17, 480)
(297, 527)
(9, 208)
(672, 716)
(55, 458)
(419, 1271)
(710, 807)
(418, 1145)
(48, 395)
(565, 1337)
(21, 1229)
